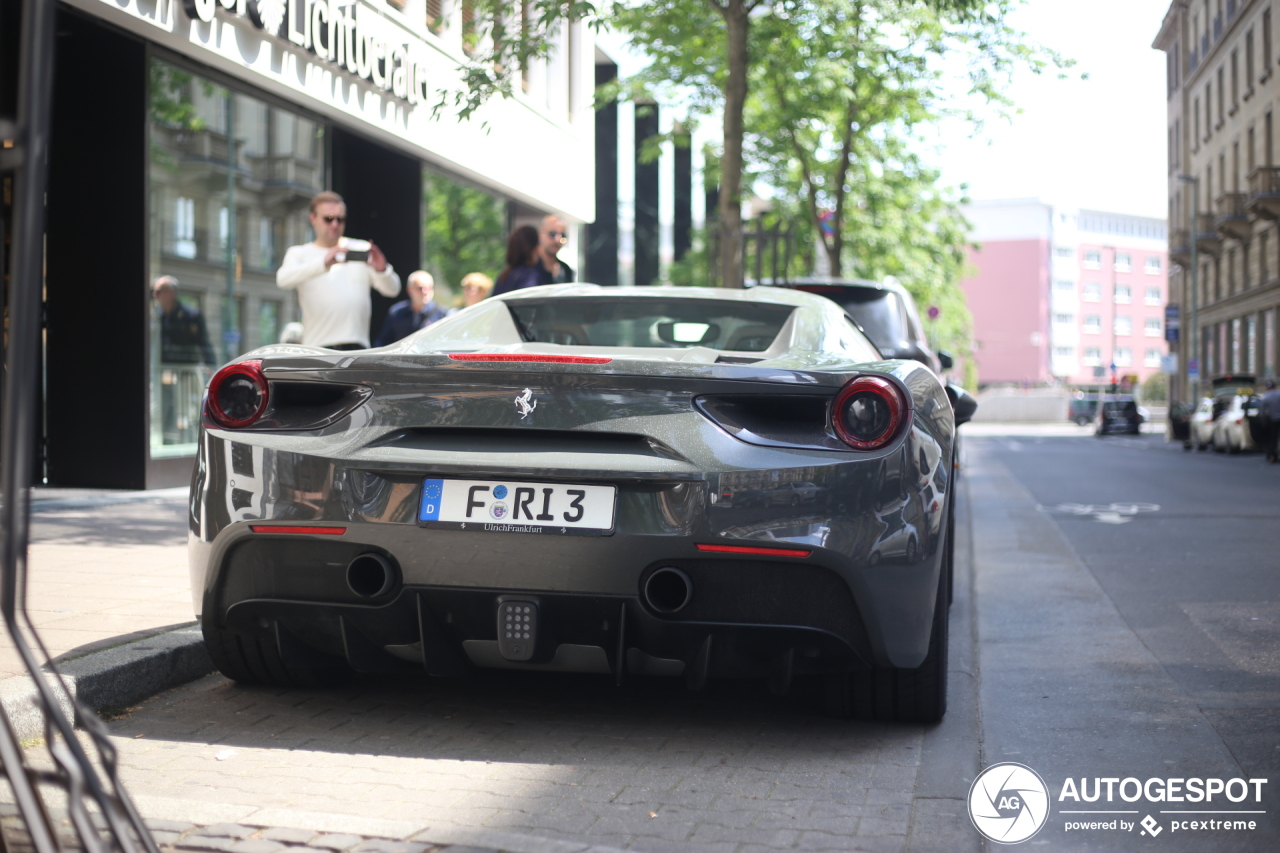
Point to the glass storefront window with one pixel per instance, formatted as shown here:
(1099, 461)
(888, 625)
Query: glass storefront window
(221, 215)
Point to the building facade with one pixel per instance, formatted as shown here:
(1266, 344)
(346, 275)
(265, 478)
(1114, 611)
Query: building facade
(188, 138)
(1065, 296)
(1224, 186)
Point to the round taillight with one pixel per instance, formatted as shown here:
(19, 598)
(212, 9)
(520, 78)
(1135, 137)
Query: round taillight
(868, 413)
(238, 394)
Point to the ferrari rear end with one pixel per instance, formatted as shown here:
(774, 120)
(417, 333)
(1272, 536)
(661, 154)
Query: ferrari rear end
(536, 507)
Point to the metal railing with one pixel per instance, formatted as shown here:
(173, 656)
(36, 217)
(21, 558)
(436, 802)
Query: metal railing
(101, 816)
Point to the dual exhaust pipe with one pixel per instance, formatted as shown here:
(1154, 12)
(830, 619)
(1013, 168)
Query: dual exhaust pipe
(668, 590)
(371, 575)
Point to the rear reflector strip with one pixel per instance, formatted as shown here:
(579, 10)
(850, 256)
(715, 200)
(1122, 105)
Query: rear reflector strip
(281, 528)
(542, 359)
(745, 549)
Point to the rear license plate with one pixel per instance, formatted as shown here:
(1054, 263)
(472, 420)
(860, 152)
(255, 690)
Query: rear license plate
(509, 507)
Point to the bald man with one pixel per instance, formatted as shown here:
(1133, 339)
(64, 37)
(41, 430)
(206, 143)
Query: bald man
(417, 312)
(552, 235)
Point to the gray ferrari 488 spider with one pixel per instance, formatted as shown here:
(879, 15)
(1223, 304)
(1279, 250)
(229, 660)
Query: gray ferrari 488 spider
(632, 481)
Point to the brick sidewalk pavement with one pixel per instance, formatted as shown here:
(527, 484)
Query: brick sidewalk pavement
(651, 767)
(101, 571)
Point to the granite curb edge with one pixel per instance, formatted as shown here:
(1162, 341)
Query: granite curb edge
(113, 678)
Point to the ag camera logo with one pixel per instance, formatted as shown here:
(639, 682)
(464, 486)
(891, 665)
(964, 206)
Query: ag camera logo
(1008, 803)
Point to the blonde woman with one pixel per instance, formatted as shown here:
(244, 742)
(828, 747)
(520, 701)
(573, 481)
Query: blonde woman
(475, 287)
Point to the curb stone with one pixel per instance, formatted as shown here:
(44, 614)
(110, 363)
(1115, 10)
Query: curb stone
(115, 677)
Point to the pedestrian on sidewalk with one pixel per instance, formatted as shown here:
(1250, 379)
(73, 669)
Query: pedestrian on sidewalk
(552, 235)
(1271, 417)
(522, 261)
(333, 276)
(417, 312)
(475, 287)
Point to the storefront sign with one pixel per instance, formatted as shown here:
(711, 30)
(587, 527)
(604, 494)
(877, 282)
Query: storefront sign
(348, 35)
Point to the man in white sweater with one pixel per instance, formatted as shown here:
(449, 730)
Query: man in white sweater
(333, 289)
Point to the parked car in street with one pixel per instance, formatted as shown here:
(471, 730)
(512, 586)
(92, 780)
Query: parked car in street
(1082, 408)
(533, 483)
(1119, 414)
(1232, 429)
(1180, 424)
(885, 310)
(1202, 421)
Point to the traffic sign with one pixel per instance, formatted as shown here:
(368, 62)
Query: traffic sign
(933, 312)
(1193, 369)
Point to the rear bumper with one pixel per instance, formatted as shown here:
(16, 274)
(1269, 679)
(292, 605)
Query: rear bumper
(451, 632)
(856, 599)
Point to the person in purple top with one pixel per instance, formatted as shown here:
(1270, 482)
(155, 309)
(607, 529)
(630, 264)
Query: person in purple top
(522, 261)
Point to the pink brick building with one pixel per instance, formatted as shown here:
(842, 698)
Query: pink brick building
(1061, 295)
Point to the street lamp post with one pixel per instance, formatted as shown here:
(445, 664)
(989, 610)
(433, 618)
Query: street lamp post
(1193, 338)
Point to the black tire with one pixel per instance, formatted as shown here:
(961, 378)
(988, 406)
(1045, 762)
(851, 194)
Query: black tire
(885, 693)
(254, 659)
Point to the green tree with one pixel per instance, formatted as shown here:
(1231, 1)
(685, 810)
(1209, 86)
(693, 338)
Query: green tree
(463, 231)
(842, 88)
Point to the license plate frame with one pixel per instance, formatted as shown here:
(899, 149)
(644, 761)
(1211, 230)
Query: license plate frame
(455, 503)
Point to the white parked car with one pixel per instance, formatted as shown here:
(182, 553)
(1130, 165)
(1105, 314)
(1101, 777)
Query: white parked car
(1202, 423)
(1231, 433)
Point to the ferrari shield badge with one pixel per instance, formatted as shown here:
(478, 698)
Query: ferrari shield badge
(525, 403)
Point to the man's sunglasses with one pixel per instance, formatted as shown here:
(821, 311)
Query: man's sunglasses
(341, 220)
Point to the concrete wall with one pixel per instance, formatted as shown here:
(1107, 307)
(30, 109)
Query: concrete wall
(1036, 405)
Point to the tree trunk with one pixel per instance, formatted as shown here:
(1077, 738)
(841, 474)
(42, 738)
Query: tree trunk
(735, 97)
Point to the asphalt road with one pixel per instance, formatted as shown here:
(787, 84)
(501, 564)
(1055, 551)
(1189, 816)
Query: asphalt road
(1117, 615)
(1128, 600)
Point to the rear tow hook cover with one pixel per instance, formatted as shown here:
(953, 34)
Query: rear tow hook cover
(517, 628)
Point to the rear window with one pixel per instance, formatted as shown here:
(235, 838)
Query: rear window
(650, 322)
(879, 312)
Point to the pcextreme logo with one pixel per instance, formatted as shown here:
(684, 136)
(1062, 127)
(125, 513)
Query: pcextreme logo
(1008, 803)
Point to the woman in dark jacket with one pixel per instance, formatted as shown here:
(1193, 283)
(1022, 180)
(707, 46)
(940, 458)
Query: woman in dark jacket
(522, 261)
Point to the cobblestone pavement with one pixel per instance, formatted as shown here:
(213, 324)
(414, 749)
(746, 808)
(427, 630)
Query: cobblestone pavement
(101, 575)
(648, 767)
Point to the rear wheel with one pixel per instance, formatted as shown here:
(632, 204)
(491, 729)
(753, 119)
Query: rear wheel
(254, 659)
(916, 695)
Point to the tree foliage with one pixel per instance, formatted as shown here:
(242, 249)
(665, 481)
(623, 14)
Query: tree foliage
(502, 39)
(463, 231)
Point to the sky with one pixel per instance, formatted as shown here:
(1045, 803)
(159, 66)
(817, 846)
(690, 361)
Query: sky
(1098, 143)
